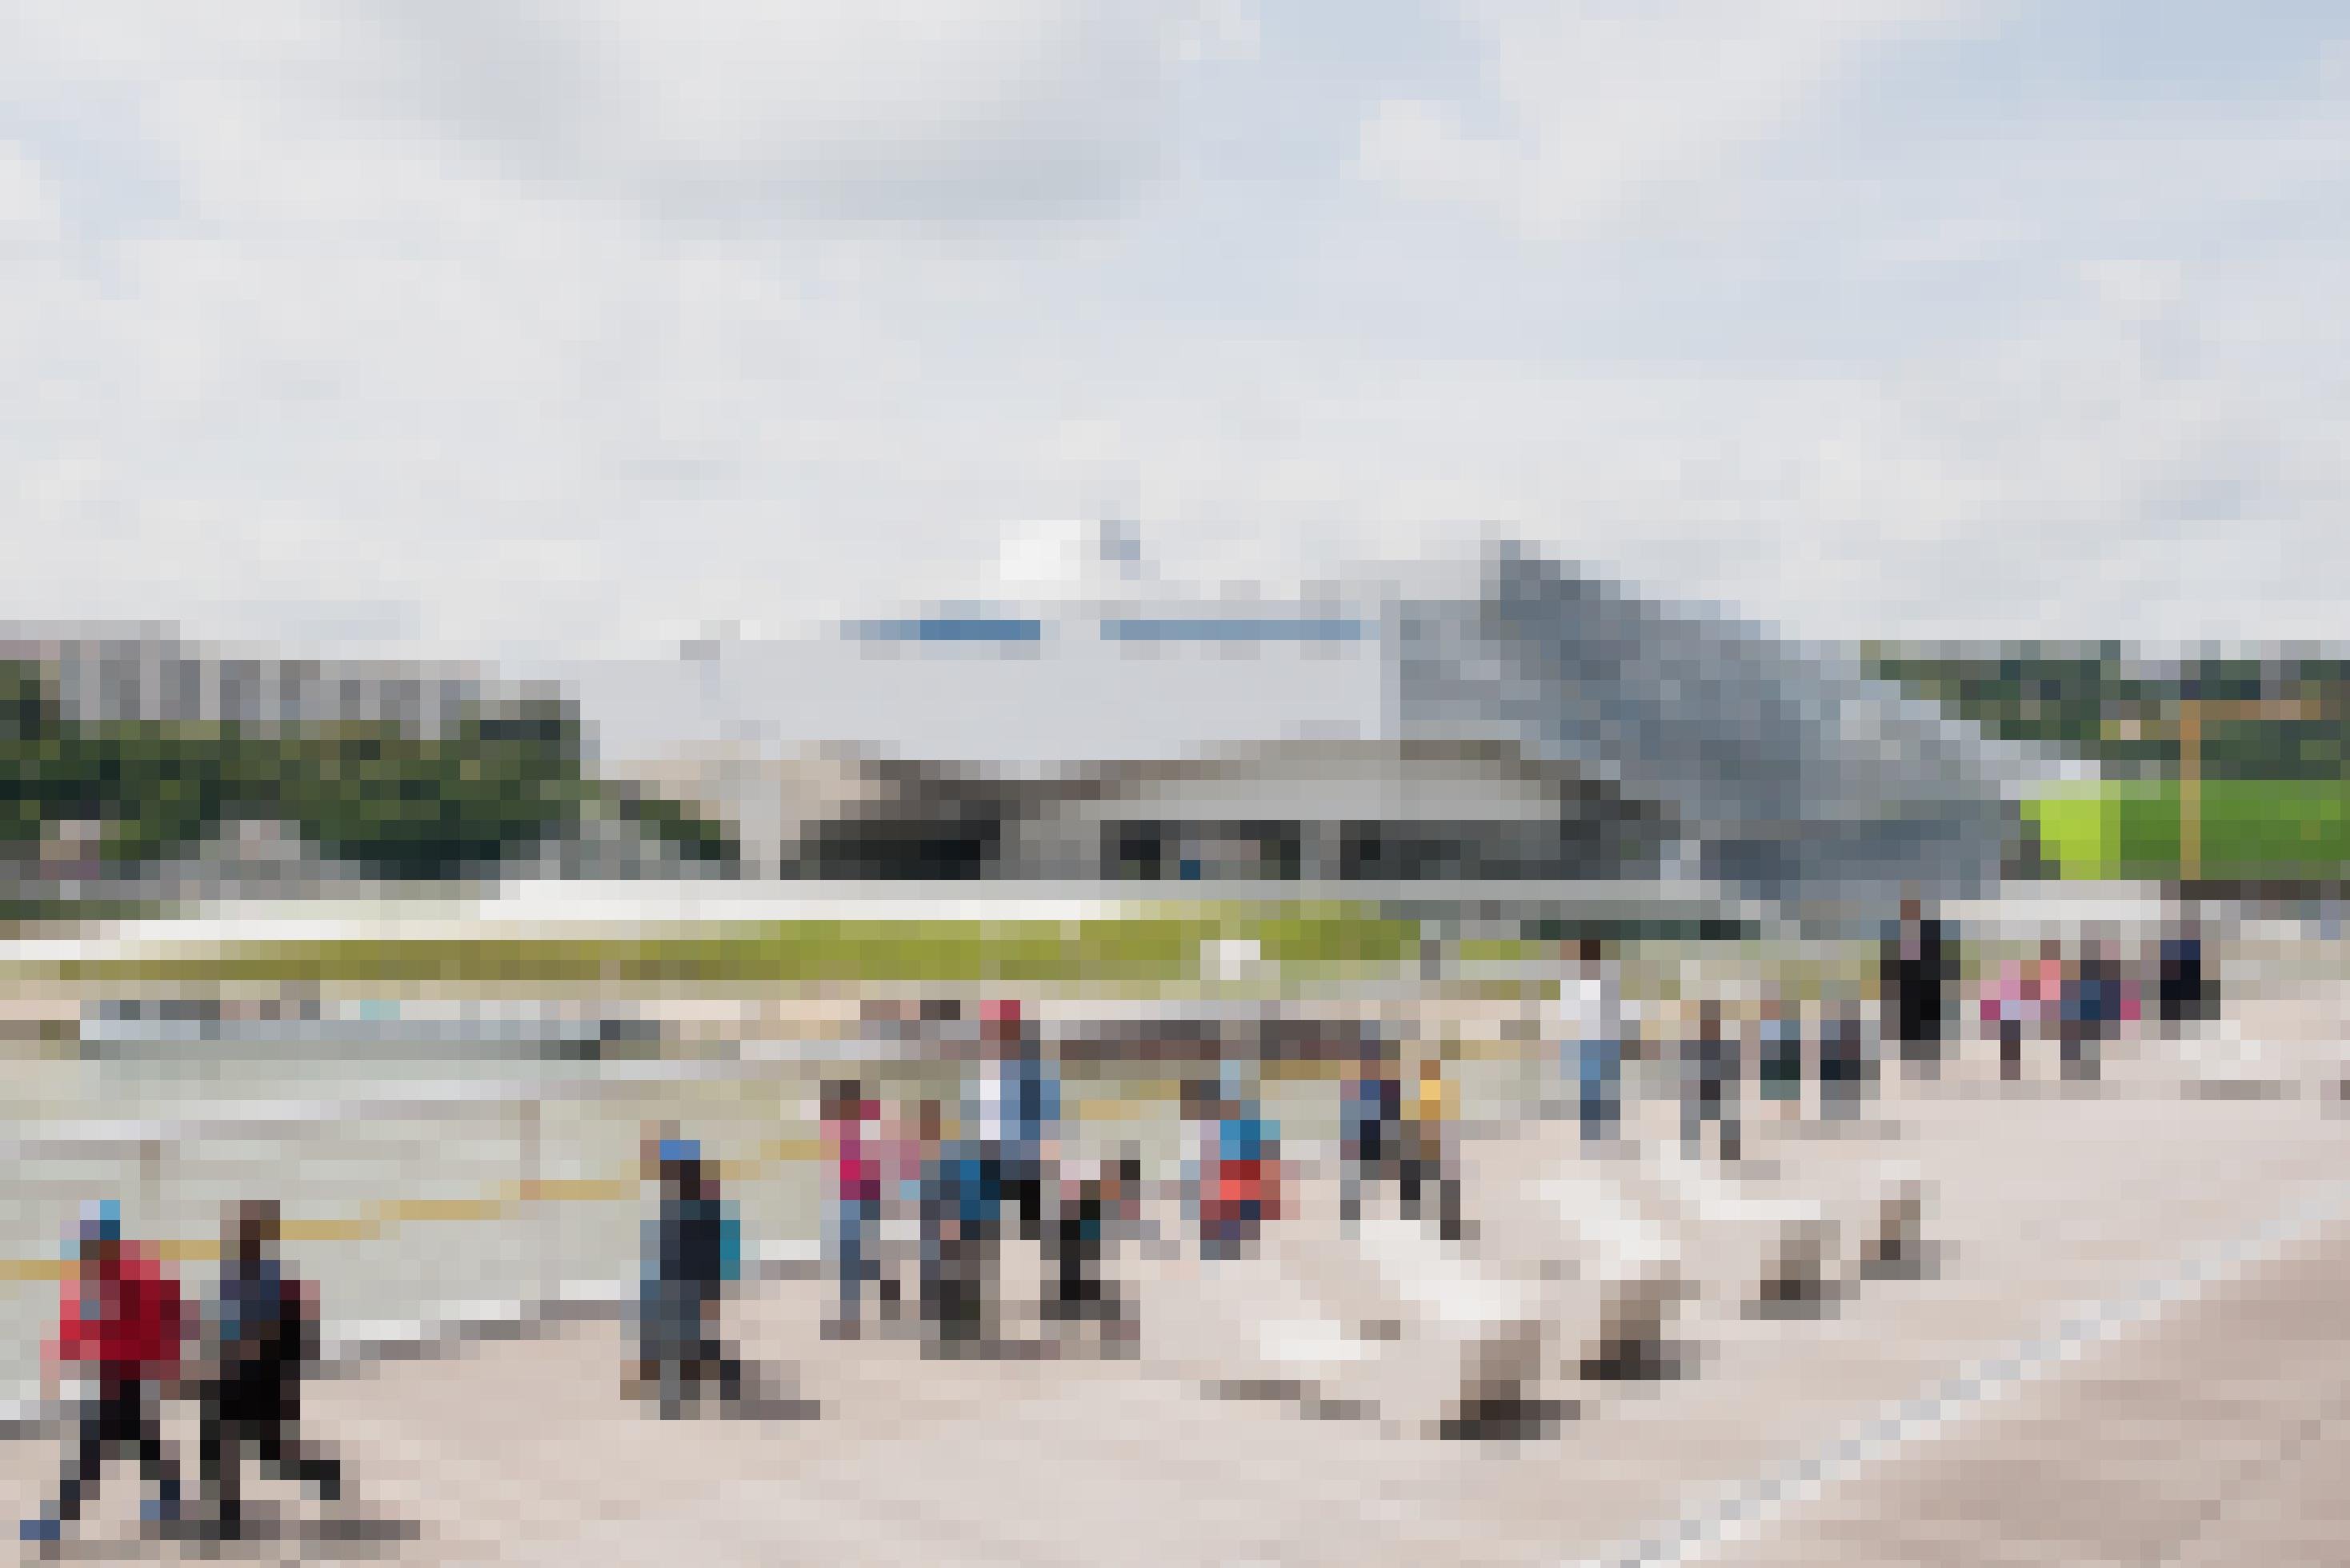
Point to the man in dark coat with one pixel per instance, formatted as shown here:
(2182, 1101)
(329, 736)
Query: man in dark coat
(1914, 984)
(263, 1327)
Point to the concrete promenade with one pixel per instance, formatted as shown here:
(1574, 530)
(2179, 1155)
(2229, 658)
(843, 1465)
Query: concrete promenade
(2211, 1428)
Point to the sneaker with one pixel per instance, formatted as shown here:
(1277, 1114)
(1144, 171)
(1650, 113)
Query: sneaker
(41, 1529)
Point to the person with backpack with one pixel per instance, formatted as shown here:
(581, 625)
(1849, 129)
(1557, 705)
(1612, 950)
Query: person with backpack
(1099, 1205)
(1371, 1116)
(692, 1252)
(1029, 1096)
(851, 1136)
(962, 1211)
(1429, 1112)
(262, 1335)
(121, 1317)
(1238, 1186)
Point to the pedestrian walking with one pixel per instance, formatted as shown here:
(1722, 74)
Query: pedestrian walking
(1429, 1112)
(1017, 1108)
(1843, 1060)
(1709, 1085)
(692, 1252)
(851, 1124)
(121, 1321)
(261, 1334)
(963, 1212)
(912, 1144)
(2075, 1013)
(1779, 1067)
(2104, 1005)
(1371, 1128)
(2182, 987)
(2010, 997)
(1915, 970)
(1099, 1204)
(1594, 1031)
(1232, 1167)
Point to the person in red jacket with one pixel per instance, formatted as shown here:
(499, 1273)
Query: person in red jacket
(121, 1318)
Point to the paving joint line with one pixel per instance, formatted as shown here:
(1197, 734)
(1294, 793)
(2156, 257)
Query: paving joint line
(1740, 1512)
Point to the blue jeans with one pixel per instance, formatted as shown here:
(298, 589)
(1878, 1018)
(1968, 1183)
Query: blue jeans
(852, 1221)
(1599, 1069)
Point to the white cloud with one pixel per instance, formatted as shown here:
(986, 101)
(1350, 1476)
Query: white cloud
(1592, 109)
(843, 105)
(559, 324)
(28, 207)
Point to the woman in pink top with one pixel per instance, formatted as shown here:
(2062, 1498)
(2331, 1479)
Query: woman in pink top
(849, 1127)
(2005, 1005)
(910, 1141)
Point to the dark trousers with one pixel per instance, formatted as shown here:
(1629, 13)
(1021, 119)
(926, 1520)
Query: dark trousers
(678, 1348)
(961, 1280)
(1363, 1169)
(1024, 1194)
(1078, 1289)
(1419, 1174)
(264, 1422)
(122, 1413)
(1713, 1100)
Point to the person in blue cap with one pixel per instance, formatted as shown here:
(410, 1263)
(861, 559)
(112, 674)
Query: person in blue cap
(694, 1251)
(1237, 1183)
(121, 1318)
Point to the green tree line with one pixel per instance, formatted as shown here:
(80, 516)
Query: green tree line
(393, 803)
(2103, 705)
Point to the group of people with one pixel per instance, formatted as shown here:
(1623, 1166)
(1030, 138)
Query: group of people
(1400, 1139)
(1595, 1029)
(2081, 999)
(920, 1216)
(126, 1331)
(911, 1207)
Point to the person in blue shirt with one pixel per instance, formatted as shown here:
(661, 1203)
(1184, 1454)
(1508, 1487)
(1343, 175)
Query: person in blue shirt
(1371, 1130)
(961, 1211)
(694, 1252)
(1239, 1184)
(1030, 1098)
(264, 1337)
(2182, 989)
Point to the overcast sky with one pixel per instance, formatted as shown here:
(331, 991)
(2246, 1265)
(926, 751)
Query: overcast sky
(567, 328)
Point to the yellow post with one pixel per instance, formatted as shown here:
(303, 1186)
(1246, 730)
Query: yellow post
(2189, 728)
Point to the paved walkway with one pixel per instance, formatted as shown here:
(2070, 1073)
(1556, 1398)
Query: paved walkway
(522, 1452)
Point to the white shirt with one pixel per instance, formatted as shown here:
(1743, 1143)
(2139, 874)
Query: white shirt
(1589, 1007)
(991, 1096)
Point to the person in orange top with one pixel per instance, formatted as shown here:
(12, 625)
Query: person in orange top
(1429, 1108)
(121, 1317)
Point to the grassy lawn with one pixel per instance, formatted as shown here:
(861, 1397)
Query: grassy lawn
(1150, 947)
(2252, 829)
